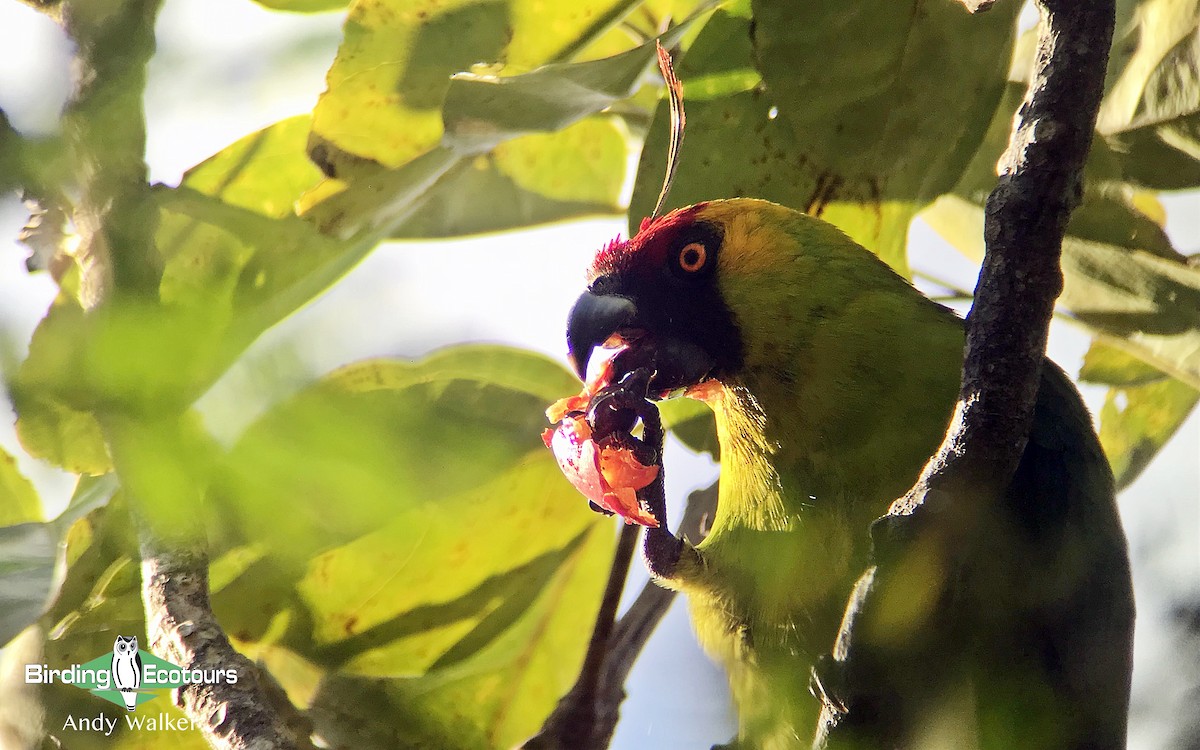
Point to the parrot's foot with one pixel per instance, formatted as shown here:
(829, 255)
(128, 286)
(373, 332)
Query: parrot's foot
(612, 414)
(673, 561)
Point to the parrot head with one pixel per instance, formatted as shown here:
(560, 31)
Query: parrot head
(701, 293)
(656, 295)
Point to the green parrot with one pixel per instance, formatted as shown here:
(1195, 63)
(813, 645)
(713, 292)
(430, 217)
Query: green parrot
(833, 380)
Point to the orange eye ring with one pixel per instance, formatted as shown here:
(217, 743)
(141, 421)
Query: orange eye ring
(693, 257)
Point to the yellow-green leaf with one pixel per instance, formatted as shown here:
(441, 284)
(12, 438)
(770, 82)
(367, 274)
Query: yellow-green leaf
(304, 6)
(1144, 301)
(18, 499)
(1107, 365)
(266, 171)
(863, 142)
(531, 180)
(385, 88)
(1138, 420)
(413, 537)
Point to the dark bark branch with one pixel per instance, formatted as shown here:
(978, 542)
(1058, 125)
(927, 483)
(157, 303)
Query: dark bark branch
(1026, 217)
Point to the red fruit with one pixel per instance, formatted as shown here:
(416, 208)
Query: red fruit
(606, 473)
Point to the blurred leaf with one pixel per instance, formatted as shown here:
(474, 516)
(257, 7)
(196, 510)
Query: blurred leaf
(482, 111)
(379, 434)
(266, 171)
(133, 355)
(1107, 365)
(18, 499)
(304, 6)
(27, 553)
(409, 524)
(532, 180)
(48, 426)
(1142, 410)
(1123, 278)
(855, 143)
(1150, 115)
(229, 273)
(100, 597)
(1146, 304)
(693, 423)
(90, 493)
(1136, 421)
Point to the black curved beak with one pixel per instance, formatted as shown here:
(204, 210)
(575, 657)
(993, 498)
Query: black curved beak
(594, 318)
(674, 361)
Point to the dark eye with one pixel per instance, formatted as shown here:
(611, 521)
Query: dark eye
(693, 257)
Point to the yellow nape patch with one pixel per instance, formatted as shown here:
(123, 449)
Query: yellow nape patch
(760, 236)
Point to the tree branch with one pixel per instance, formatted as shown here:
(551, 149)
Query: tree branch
(254, 712)
(587, 715)
(104, 126)
(874, 691)
(641, 619)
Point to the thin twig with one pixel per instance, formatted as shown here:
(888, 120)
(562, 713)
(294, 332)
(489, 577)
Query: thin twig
(573, 722)
(641, 619)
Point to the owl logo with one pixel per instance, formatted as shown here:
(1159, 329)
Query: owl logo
(127, 669)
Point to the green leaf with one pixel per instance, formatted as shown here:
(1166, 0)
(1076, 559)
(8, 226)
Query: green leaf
(1150, 115)
(1123, 279)
(304, 6)
(532, 180)
(377, 131)
(100, 598)
(18, 499)
(229, 273)
(412, 533)
(381, 433)
(803, 132)
(27, 553)
(482, 111)
(49, 426)
(386, 86)
(693, 423)
(1146, 304)
(1136, 421)
(1107, 365)
(266, 171)
(897, 117)
(518, 649)
(1142, 410)
(235, 261)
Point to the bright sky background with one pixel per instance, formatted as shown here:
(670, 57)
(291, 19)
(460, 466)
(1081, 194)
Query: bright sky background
(227, 67)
